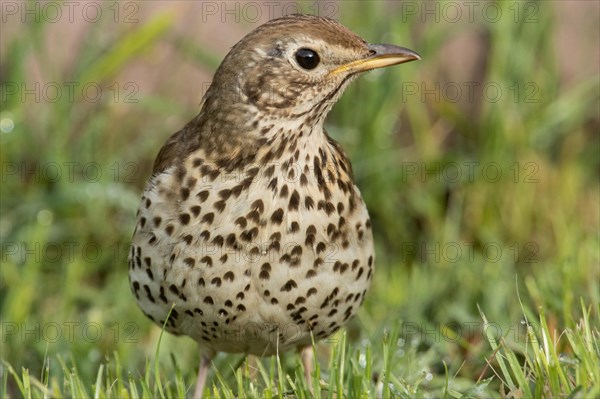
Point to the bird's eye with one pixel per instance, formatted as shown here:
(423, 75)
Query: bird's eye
(307, 58)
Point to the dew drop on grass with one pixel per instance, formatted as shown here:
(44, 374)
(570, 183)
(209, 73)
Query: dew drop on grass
(45, 217)
(362, 360)
(6, 125)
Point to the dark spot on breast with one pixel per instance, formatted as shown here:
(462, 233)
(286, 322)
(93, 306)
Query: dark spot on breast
(273, 184)
(284, 191)
(218, 241)
(277, 216)
(351, 204)
(264, 275)
(258, 205)
(254, 216)
(231, 240)
(229, 276)
(190, 262)
(294, 227)
(360, 273)
(329, 208)
(202, 196)
(309, 203)
(149, 294)
(185, 193)
(268, 173)
(294, 201)
(310, 240)
(207, 260)
(220, 205)
(205, 235)
(208, 218)
(162, 296)
(195, 210)
(291, 175)
(241, 221)
(266, 266)
(289, 285)
(297, 251)
(320, 247)
(330, 229)
(209, 300)
(184, 218)
(275, 236)
(303, 180)
(224, 194)
(275, 246)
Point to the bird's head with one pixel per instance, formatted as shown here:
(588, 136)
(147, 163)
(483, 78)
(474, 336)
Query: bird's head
(294, 69)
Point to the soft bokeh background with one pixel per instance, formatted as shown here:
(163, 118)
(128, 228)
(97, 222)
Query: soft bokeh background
(479, 165)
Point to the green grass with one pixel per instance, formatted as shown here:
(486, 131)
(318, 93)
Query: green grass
(542, 363)
(485, 286)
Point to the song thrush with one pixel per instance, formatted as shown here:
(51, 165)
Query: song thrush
(251, 232)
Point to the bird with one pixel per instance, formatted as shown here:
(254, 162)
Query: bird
(251, 236)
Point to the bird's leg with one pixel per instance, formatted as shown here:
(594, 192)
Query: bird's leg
(202, 374)
(307, 356)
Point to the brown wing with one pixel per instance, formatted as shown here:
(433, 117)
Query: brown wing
(169, 152)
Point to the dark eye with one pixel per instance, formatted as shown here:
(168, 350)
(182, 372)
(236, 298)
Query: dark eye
(307, 58)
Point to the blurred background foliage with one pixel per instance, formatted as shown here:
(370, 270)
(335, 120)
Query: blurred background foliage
(479, 165)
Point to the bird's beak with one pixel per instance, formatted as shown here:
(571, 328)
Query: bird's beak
(382, 55)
